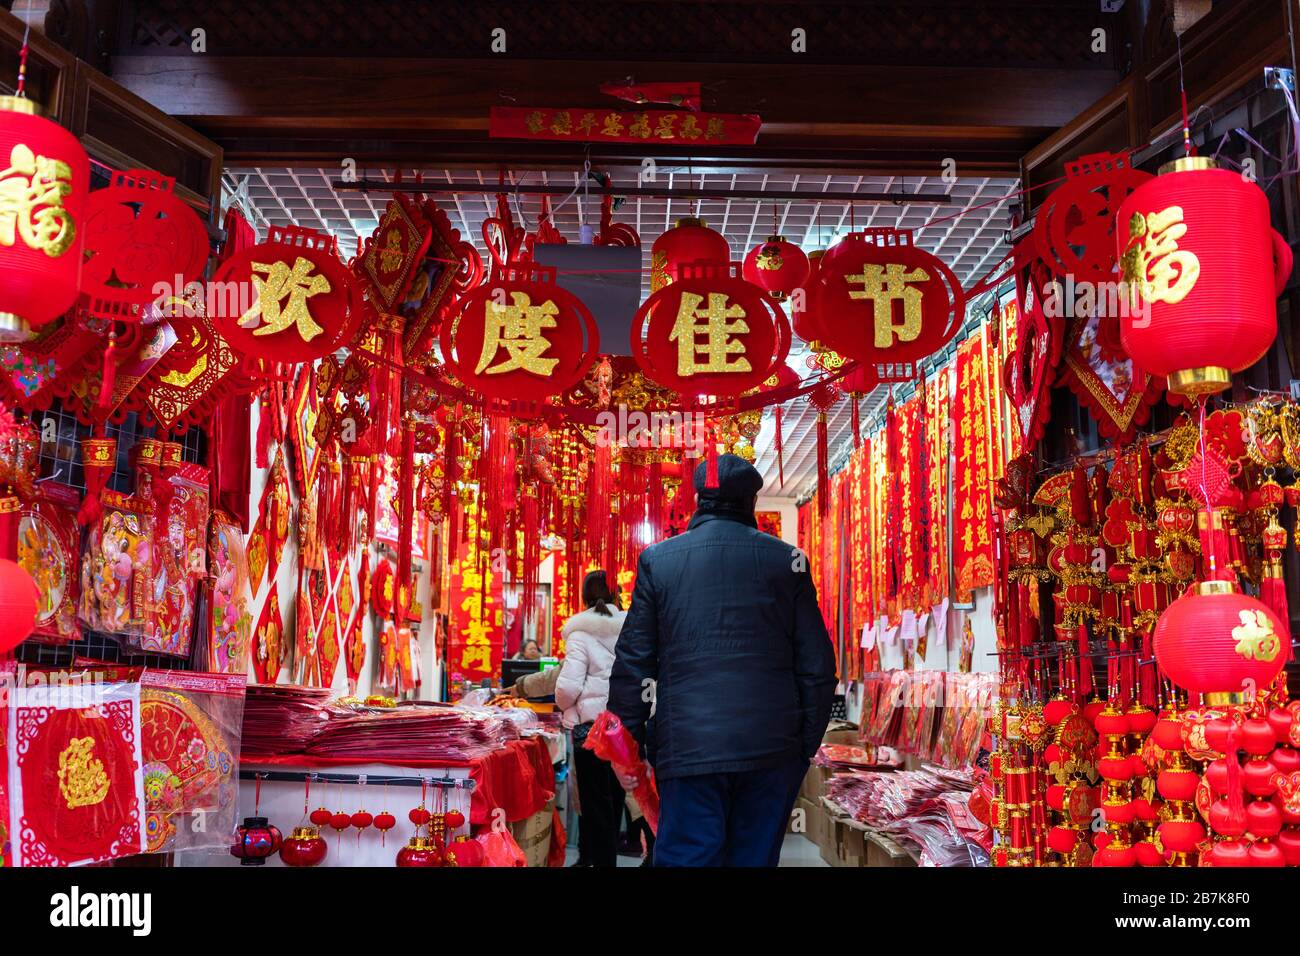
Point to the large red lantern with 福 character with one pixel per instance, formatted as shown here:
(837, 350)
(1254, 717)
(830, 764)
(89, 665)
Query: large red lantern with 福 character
(691, 240)
(522, 338)
(710, 333)
(44, 179)
(1216, 641)
(289, 299)
(1203, 269)
(878, 297)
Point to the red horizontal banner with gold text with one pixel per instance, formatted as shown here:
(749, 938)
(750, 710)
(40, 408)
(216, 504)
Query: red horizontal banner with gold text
(623, 126)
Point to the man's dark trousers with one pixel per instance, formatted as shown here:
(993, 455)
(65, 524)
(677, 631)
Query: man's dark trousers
(727, 819)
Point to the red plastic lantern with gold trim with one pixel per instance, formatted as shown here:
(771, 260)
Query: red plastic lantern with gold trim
(1203, 270)
(523, 338)
(44, 180)
(777, 266)
(710, 333)
(689, 241)
(1217, 641)
(803, 322)
(139, 234)
(289, 299)
(877, 297)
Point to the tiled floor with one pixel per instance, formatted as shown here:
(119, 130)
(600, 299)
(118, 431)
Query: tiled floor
(796, 851)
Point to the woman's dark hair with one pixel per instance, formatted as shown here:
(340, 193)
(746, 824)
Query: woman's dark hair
(596, 593)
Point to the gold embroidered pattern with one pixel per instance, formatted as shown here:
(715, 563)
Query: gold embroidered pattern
(82, 779)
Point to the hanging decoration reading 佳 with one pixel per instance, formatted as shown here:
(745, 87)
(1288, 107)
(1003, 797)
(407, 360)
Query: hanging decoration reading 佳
(710, 333)
(521, 339)
(288, 299)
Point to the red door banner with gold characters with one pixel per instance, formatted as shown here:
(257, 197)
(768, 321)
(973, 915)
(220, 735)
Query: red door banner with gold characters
(476, 635)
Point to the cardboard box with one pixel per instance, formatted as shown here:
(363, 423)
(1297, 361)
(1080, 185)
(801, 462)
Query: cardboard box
(533, 834)
(801, 819)
(883, 851)
(850, 843)
(841, 737)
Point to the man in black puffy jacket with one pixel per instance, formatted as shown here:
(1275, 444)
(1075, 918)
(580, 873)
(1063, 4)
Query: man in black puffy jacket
(724, 672)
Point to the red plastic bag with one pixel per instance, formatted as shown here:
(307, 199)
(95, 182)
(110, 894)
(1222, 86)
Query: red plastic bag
(500, 849)
(610, 740)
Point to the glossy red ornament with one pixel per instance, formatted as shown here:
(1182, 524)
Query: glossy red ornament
(1230, 853)
(45, 177)
(1168, 733)
(1057, 709)
(1280, 719)
(520, 337)
(1215, 640)
(777, 266)
(1147, 854)
(1141, 720)
(880, 298)
(1198, 252)
(1177, 784)
(18, 604)
(1220, 817)
(304, 847)
(690, 241)
(1062, 839)
(1288, 841)
(1266, 854)
(140, 236)
(419, 851)
(1216, 775)
(1113, 856)
(1285, 760)
(288, 299)
(710, 333)
(1257, 778)
(320, 817)
(1257, 737)
(255, 840)
(1263, 819)
(464, 851)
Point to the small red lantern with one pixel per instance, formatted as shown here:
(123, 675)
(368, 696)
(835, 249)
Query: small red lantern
(255, 840)
(710, 333)
(805, 323)
(139, 235)
(320, 817)
(384, 821)
(18, 604)
(464, 851)
(689, 241)
(523, 338)
(340, 821)
(304, 847)
(288, 299)
(880, 298)
(1203, 270)
(419, 851)
(777, 266)
(454, 820)
(44, 180)
(362, 819)
(1216, 641)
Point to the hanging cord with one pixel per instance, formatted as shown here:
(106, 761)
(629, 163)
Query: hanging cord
(21, 89)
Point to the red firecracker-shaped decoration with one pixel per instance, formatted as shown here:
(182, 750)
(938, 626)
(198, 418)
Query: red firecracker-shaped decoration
(777, 266)
(689, 241)
(304, 847)
(44, 180)
(1215, 640)
(419, 851)
(1203, 270)
(255, 840)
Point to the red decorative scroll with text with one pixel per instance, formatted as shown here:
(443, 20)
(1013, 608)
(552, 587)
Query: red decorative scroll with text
(972, 540)
(664, 127)
(476, 636)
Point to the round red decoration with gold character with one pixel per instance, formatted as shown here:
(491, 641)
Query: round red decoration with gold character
(139, 234)
(523, 338)
(710, 333)
(690, 241)
(1074, 230)
(880, 298)
(288, 299)
(777, 266)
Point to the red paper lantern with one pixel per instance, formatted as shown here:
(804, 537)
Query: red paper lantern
(304, 847)
(1214, 640)
(139, 235)
(18, 604)
(689, 241)
(255, 840)
(777, 266)
(384, 821)
(286, 300)
(1205, 268)
(710, 333)
(522, 338)
(44, 179)
(1181, 836)
(464, 851)
(362, 819)
(879, 298)
(454, 820)
(320, 817)
(805, 323)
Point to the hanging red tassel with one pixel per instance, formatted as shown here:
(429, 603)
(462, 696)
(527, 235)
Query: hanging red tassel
(823, 466)
(780, 448)
(710, 458)
(406, 511)
(108, 382)
(98, 458)
(1085, 660)
(857, 423)
(1272, 591)
(264, 428)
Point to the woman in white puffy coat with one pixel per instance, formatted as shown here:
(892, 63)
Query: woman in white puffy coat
(581, 692)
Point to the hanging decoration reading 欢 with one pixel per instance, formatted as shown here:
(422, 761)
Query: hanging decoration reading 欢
(288, 299)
